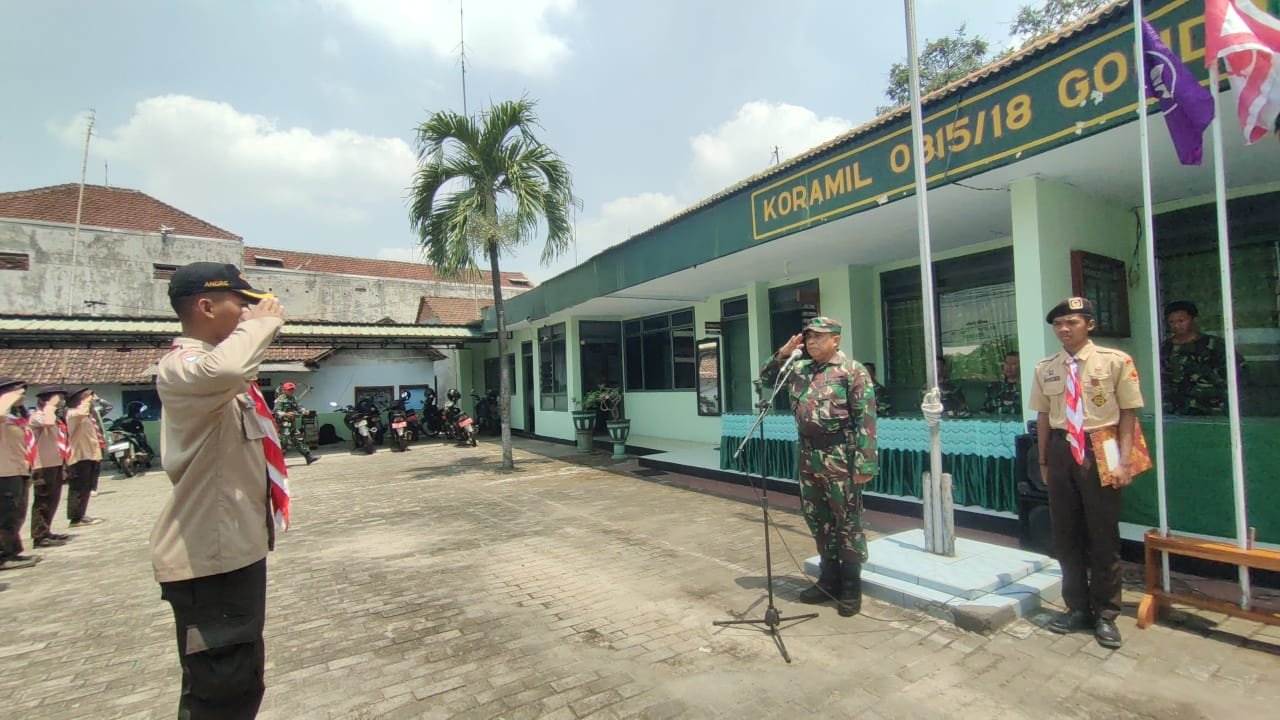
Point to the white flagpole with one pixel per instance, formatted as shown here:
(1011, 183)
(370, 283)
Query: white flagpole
(1149, 234)
(1229, 334)
(939, 519)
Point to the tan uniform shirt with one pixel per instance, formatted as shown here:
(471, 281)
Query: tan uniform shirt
(217, 519)
(1108, 378)
(47, 454)
(13, 448)
(82, 433)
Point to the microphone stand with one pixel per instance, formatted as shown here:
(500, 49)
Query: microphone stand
(771, 619)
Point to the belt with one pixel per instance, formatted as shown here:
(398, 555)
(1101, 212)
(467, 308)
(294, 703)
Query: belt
(822, 442)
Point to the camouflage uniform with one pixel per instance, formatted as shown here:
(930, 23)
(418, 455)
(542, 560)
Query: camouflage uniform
(836, 398)
(1003, 398)
(290, 428)
(1193, 376)
(953, 403)
(884, 408)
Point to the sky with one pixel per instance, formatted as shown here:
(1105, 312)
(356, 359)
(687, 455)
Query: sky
(291, 122)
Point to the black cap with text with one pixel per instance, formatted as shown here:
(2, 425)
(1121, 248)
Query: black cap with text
(203, 277)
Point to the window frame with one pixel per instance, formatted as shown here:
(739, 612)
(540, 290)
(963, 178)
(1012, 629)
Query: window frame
(663, 328)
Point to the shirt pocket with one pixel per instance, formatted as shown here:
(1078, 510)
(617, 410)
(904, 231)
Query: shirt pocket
(833, 403)
(1053, 388)
(250, 427)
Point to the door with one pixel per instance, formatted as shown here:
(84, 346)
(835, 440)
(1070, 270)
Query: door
(526, 372)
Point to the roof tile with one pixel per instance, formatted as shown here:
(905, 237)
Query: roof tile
(451, 311)
(344, 265)
(107, 207)
(98, 366)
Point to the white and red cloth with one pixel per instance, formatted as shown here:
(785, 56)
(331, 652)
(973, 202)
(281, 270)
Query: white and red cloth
(1075, 411)
(64, 441)
(1248, 39)
(277, 474)
(29, 446)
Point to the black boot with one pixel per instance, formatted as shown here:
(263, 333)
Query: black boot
(828, 585)
(850, 589)
(311, 458)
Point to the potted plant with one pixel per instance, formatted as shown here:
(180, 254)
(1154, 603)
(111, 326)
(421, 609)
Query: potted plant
(609, 400)
(584, 420)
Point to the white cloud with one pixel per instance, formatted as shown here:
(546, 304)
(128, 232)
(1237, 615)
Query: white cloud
(504, 34)
(202, 154)
(744, 145)
(623, 217)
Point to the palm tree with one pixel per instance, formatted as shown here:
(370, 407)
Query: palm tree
(482, 186)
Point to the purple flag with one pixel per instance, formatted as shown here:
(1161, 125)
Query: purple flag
(1187, 106)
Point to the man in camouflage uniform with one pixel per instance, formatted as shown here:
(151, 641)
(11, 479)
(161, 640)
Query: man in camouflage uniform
(954, 404)
(289, 419)
(884, 408)
(835, 409)
(1004, 397)
(1193, 365)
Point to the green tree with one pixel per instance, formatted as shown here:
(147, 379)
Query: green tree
(1033, 23)
(484, 185)
(942, 62)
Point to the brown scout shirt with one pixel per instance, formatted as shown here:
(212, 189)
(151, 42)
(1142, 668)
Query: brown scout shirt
(47, 454)
(13, 448)
(217, 519)
(1108, 378)
(82, 434)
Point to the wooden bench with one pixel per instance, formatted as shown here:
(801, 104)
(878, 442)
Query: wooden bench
(1156, 599)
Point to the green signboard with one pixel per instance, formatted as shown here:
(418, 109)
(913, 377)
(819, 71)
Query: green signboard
(1054, 100)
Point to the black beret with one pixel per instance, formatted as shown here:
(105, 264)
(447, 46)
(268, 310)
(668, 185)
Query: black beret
(1185, 306)
(9, 383)
(50, 390)
(1070, 306)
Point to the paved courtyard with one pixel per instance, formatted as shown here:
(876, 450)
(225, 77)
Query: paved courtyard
(428, 585)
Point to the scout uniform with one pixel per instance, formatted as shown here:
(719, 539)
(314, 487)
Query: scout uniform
(85, 463)
(50, 470)
(210, 542)
(15, 478)
(835, 410)
(1084, 512)
(291, 426)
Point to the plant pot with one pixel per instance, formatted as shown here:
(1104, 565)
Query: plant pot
(619, 430)
(584, 422)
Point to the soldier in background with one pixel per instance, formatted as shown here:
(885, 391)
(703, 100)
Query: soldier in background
(954, 404)
(1193, 365)
(15, 474)
(835, 407)
(884, 408)
(1004, 397)
(50, 469)
(289, 419)
(85, 463)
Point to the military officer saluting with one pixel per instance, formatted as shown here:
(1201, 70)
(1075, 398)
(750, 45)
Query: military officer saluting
(1079, 390)
(835, 407)
(289, 419)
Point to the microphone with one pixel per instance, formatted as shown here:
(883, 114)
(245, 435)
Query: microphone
(795, 355)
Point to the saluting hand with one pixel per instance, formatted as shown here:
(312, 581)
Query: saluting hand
(9, 398)
(796, 341)
(270, 307)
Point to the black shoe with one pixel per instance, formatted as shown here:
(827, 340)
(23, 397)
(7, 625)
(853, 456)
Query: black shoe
(850, 603)
(313, 459)
(827, 587)
(1071, 621)
(86, 520)
(17, 562)
(50, 541)
(58, 536)
(1107, 633)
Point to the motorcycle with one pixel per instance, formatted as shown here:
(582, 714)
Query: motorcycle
(457, 424)
(358, 422)
(403, 424)
(432, 422)
(127, 441)
(488, 416)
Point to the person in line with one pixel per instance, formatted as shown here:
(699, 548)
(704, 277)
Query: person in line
(49, 475)
(1081, 389)
(210, 543)
(16, 449)
(85, 463)
(834, 401)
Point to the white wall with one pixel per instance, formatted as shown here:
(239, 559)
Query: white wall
(345, 370)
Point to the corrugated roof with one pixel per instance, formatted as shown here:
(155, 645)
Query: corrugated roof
(451, 311)
(16, 328)
(105, 207)
(99, 366)
(364, 267)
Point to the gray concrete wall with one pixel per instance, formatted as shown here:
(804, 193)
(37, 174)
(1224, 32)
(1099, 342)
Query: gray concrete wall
(104, 272)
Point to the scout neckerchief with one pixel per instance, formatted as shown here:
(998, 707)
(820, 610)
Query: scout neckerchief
(1075, 412)
(277, 475)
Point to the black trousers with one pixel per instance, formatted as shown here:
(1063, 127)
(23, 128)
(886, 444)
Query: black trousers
(1086, 531)
(219, 621)
(82, 478)
(48, 484)
(13, 513)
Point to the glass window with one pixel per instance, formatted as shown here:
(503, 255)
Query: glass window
(553, 368)
(659, 352)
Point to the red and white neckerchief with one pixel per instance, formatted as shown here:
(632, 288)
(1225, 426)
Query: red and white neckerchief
(29, 447)
(1075, 412)
(64, 441)
(277, 475)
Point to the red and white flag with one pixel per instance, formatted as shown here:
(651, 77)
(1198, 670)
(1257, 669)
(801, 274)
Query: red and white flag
(1248, 39)
(277, 475)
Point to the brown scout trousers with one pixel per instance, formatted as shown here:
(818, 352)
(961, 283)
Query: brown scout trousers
(48, 484)
(1086, 530)
(81, 478)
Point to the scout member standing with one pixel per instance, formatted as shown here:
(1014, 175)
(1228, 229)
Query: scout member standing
(50, 474)
(16, 450)
(210, 543)
(835, 408)
(85, 462)
(1081, 389)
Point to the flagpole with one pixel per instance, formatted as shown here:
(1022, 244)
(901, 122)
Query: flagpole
(1153, 304)
(939, 519)
(1229, 334)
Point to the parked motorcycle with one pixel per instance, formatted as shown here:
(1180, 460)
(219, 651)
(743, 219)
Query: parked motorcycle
(488, 416)
(357, 421)
(127, 440)
(403, 424)
(457, 424)
(432, 421)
